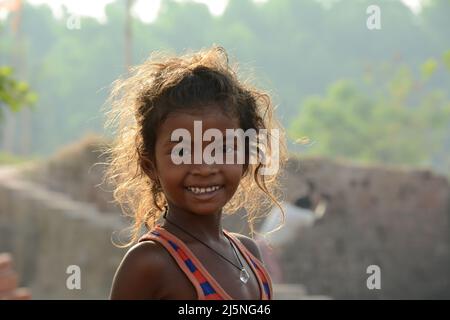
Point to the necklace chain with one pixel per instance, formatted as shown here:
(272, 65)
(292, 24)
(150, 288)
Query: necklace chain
(232, 246)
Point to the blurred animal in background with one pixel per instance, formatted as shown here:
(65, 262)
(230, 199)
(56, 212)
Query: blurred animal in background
(303, 213)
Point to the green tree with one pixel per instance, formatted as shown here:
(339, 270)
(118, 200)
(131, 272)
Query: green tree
(400, 122)
(14, 94)
(295, 49)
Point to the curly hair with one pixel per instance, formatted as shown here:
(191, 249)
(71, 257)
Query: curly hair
(166, 83)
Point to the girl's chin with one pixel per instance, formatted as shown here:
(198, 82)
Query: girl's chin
(205, 210)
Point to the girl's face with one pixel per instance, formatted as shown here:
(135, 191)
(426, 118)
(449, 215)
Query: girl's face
(182, 183)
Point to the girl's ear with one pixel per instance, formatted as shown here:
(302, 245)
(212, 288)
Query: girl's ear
(149, 168)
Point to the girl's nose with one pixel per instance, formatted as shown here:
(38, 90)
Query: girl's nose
(204, 169)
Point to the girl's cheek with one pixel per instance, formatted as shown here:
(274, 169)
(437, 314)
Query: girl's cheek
(170, 162)
(235, 170)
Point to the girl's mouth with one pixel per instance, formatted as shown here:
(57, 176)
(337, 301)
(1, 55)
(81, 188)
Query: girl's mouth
(202, 190)
(204, 193)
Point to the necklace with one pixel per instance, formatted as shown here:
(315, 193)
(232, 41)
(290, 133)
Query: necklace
(244, 276)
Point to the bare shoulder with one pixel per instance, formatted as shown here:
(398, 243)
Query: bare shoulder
(250, 244)
(140, 273)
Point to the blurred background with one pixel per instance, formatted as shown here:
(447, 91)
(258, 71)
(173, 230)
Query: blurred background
(362, 88)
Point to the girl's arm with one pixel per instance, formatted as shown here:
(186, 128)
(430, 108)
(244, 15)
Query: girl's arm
(140, 274)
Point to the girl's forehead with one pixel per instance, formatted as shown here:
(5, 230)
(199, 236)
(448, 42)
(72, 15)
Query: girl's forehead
(205, 120)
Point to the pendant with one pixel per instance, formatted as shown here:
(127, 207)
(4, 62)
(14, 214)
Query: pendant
(244, 276)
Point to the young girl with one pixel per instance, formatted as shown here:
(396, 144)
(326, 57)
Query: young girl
(186, 253)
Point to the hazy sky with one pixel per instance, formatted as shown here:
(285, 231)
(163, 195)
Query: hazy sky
(147, 10)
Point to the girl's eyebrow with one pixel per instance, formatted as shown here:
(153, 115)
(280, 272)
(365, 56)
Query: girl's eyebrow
(180, 139)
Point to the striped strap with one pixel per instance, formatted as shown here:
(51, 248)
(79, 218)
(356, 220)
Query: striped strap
(207, 288)
(205, 291)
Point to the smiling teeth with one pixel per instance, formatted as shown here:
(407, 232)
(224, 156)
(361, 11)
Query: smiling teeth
(203, 190)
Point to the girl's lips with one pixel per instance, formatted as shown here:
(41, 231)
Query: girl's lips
(204, 196)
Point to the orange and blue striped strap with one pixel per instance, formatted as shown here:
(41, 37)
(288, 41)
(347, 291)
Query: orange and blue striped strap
(206, 286)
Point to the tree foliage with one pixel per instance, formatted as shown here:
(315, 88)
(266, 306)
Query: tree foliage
(14, 94)
(293, 48)
(395, 118)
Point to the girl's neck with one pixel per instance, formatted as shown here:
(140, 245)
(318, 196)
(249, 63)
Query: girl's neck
(207, 228)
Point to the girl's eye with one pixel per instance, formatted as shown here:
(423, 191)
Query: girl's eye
(180, 151)
(227, 149)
